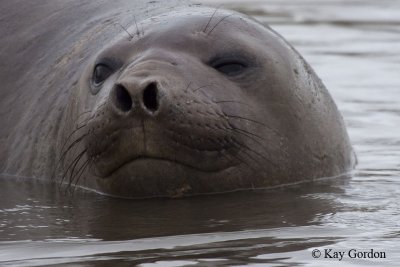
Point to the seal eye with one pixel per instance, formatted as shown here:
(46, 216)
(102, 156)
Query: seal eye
(101, 73)
(231, 64)
(230, 68)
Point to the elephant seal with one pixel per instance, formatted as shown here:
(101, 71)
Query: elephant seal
(181, 100)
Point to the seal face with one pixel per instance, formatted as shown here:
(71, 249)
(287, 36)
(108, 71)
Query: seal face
(200, 101)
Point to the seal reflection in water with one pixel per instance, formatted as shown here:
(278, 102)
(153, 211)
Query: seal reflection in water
(197, 101)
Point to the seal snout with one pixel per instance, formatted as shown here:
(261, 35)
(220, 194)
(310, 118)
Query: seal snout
(147, 97)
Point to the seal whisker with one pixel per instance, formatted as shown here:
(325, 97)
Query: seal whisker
(79, 173)
(254, 152)
(71, 134)
(77, 158)
(243, 118)
(231, 101)
(247, 133)
(88, 111)
(212, 16)
(241, 160)
(72, 172)
(221, 20)
(90, 169)
(237, 157)
(253, 169)
(130, 35)
(75, 142)
(201, 87)
(253, 121)
(76, 162)
(137, 28)
(83, 113)
(243, 146)
(79, 126)
(187, 88)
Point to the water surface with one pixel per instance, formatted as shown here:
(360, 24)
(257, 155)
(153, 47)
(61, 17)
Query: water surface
(354, 46)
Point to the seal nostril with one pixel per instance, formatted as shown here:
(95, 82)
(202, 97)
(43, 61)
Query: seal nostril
(122, 98)
(150, 97)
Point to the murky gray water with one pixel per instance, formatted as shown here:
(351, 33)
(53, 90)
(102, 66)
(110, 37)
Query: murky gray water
(354, 46)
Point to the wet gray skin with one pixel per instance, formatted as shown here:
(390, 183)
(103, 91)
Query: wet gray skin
(188, 102)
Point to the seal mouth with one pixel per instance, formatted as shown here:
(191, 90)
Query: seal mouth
(154, 161)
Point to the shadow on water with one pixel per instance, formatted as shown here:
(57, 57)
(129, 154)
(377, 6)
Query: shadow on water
(26, 212)
(44, 224)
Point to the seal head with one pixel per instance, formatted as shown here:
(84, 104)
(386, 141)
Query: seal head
(200, 101)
